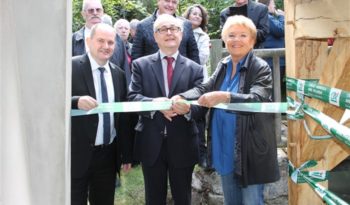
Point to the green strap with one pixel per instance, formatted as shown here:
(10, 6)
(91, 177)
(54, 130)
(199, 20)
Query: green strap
(317, 176)
(312, 89)
(153, 106)
(299, 176)
(341, 132)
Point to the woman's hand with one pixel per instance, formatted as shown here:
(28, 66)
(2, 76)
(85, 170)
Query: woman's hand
(213, 98)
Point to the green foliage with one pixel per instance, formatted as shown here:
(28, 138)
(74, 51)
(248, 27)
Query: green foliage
(139, 9)
(279, 4)
(214, 8)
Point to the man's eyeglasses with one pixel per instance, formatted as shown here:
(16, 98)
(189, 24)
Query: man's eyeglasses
(165, 30)
(94, 10)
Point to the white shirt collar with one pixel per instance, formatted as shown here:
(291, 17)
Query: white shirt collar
(162, 55)
(95, 65)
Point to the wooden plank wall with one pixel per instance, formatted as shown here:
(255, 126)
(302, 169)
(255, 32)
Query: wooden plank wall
(308, 25)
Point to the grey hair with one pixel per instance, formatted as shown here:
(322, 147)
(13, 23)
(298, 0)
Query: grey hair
(134, 23)
(85, 2)
(169, 19)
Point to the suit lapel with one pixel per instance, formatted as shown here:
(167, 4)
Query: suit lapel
(158, 71)
(178, 70)
(87, 72)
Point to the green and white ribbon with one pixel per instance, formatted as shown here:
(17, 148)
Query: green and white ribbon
(306, 177)
(341, 132)
(165, 105)
(317, 176)
(334, 128)
(312, 89)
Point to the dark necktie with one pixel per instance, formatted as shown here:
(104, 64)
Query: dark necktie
(106, 116)
(170, 61)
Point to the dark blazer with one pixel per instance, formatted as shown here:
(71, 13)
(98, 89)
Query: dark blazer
(78, 48)
(147, 83)
(84, 128)
(144, 43)
(258, 13)
(256, 147)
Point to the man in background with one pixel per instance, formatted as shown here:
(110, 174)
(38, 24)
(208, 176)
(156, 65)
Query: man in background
(92, 12)
(144, 42)
(257, 12)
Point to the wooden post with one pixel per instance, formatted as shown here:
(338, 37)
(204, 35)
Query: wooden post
(308, 25)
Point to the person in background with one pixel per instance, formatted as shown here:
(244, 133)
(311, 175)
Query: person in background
(166, 143)
(198, 16)
(144, 42)
(101, 142)
(257, 12)
(275, 38)
(243, 145)
(133, 26)
(107, 19)
(122, 26)
(92, 12)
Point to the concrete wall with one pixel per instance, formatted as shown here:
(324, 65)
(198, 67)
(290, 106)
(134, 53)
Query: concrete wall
(35, 70)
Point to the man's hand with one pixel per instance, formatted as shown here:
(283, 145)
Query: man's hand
(179, 105)
(87, 103)
(213, 98)
(168, 114)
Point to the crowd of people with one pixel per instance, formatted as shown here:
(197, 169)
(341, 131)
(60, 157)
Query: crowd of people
(160, 58)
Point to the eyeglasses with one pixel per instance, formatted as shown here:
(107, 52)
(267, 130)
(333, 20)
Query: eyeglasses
(165, 30)
(94, 10)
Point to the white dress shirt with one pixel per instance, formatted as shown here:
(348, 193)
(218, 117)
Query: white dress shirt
(87, 32)
(110, 90)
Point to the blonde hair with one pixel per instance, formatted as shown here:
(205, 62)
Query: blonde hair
(240, 21)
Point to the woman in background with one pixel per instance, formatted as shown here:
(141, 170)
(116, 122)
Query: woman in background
(198, 16)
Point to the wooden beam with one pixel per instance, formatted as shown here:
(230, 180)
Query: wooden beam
(322, 18)
(336, 73)
(306, 59)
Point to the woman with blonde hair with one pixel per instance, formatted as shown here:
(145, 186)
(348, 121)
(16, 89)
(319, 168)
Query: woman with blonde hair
(243, 146)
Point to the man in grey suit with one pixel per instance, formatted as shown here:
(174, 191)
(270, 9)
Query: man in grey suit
(144, 42)
(100, 143)
(257, 12)
(166, 142)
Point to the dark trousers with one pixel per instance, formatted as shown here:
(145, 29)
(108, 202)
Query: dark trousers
(98, 184)
(203, 153)
(156, 181)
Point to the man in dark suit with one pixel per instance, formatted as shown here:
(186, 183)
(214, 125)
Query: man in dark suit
(166, 143)
(100, 143)
(145, 44)
(257, 12)
(92, 12)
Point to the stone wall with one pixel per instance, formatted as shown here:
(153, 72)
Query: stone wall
(206, 186)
